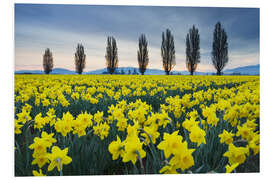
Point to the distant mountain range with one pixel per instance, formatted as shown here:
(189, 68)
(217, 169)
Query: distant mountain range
(54, 71)
(249, 70)
(244, 70)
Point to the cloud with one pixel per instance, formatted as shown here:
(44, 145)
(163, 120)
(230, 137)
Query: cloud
(61, 27)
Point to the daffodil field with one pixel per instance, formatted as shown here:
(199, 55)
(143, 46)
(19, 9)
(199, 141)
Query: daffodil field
(131, 124)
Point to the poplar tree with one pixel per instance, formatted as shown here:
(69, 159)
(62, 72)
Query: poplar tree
(167, 51)
(143, 59)
(111, 55)
(47, 61)
(192, 49)
(219, 48)
(80, 59)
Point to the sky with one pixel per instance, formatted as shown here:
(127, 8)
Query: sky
(62, 27)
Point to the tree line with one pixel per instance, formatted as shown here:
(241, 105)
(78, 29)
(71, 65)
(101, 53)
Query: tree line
(219, 52)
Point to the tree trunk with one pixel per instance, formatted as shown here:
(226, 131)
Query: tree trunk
(142, 73)
(191, 73)
(111, 71)
(218, 73)
(167, 72)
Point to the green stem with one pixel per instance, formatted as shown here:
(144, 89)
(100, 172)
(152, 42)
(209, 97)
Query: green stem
(59, 163)
(141, 163)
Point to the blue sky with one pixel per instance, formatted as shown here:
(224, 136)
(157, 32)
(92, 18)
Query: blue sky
(61, 27)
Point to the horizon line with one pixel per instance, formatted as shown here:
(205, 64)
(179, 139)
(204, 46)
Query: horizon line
(130, 67)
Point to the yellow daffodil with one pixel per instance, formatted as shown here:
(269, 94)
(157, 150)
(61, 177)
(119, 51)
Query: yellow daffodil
(36, 173)
(58, 158)
(171, 143)
(229, 168)
(197, 135)
(133, 149)
(116, 148)
(226, 137)
(236, 154)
